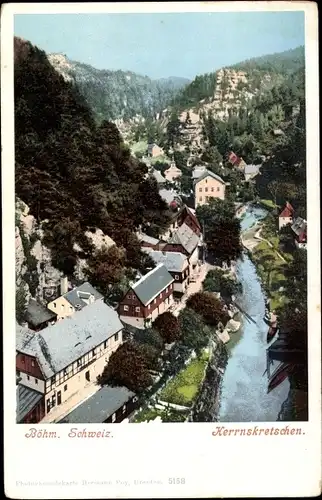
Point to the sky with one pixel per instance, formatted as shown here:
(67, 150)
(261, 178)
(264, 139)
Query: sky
(164, 44)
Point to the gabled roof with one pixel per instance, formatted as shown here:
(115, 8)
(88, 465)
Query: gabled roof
(288, 210)
(147, 239)
(158, 176)
(99, 407)
(251, 169)
(75, 297)
(152, 283)
(208, 173)
(37, 314)
(186, 237)
(192, 214)
(173, 261)
(27, 399)
(59, 345)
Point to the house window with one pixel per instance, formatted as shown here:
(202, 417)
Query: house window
(87, 376)
(176, 277)
(116, 337)
(212, 190)
(93, 352)
(124, 409)
(65, 388)
(55, 305)
(200, 199)
(206, 190)
(206, 181)
(70, 308)
(200, 190)
(135, 399)
(218, 189)
(126, 308)
(53, 380)
(53, 401)
(137, 309)
(36, 381)
(63, 306)
(78, 363)
(129, 296)
(28, 378)
(58, 397)
(48, 405)
(22, 359)
(105, 344)
(113, 417)
(155, 301)
(32, 363)
(18, 373)
(65, 372)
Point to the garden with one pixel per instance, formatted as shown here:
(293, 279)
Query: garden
(183, 388)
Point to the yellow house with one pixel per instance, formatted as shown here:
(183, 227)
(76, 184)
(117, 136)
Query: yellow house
(208, 186)
(74, 300)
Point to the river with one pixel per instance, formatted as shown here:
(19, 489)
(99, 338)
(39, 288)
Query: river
(244, 395)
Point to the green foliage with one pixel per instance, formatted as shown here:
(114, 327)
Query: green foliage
(209, 307)
(217, 281)
(195, 334)
(31, 275)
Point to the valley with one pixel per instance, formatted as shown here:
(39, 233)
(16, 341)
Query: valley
(136, 273)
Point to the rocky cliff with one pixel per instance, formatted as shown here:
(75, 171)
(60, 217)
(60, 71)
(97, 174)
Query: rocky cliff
(36, 275)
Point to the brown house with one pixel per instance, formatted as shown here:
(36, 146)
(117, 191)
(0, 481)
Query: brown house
(186, 241)
(149, 297)
(186, 216)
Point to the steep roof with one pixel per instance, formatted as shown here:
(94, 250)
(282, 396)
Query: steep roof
(173, 261)
(168, 195)
(75, 297)
(158, 176)
(26, 400)
(208, 173)
(192, 214)
(147, 239)
(251, 169)
(186, 237)
(59, 345)
(152, 283)
(37, 314)
(100, 406)
(288, 210)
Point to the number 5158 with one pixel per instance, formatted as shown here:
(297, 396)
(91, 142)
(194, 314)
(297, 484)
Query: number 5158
(176, 480)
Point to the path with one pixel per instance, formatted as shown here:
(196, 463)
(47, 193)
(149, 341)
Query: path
(193, 287)
(258, 237)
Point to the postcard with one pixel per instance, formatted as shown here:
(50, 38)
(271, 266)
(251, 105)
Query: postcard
(161, 250)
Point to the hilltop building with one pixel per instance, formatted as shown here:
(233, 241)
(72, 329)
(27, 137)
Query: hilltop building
(286, 216)
(208, 186)
(172, 173)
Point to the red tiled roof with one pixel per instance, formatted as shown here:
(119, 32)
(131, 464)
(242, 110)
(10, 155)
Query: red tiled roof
(288, 210)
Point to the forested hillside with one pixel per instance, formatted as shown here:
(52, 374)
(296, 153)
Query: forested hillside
(73, 174)
(118, 94)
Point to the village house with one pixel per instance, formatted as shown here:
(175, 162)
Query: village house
(208, 186)
(299, 228)
(149, 297)
(154, 150)
(236, 161)
(185, 215)
(62, 360)
(74, 300)
(177, 264)
(171, 197)
(173, 172)
(286, 216)
(185, 241)
(108, 405)
(153, 172)
(38, 316)
(251, 171)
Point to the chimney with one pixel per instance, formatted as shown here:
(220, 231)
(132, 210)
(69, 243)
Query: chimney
(63, 285)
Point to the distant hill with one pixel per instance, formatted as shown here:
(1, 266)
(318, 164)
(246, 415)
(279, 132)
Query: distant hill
(118, 94)
(281, 62)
